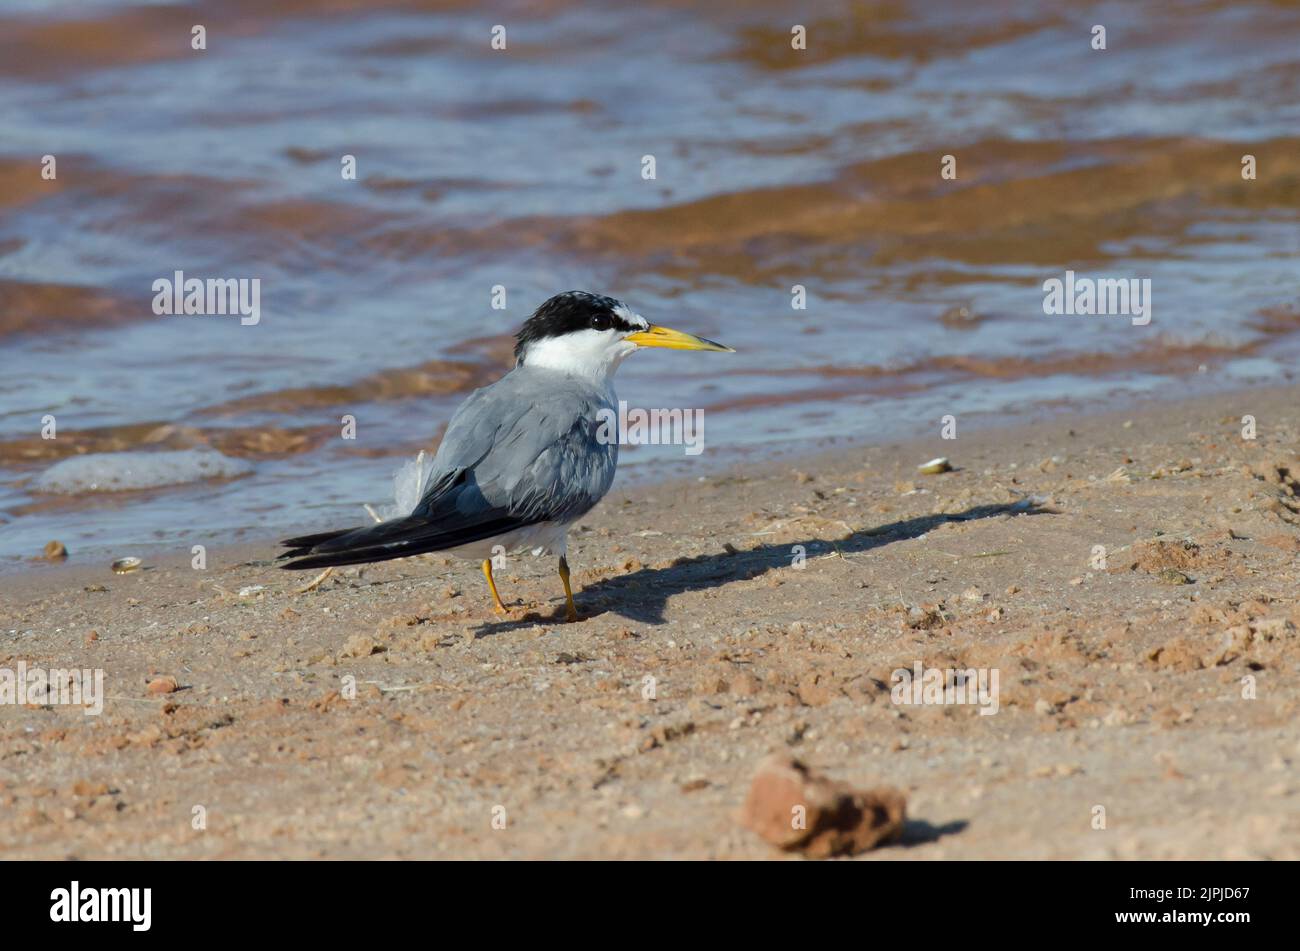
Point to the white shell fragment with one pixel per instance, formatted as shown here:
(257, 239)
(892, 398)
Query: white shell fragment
(124, 565)
(935, 466)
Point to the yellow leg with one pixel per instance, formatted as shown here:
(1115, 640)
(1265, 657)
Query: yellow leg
(571, 612)
(496, 598)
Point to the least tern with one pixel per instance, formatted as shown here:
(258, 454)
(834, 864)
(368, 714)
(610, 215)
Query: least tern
(521, 460)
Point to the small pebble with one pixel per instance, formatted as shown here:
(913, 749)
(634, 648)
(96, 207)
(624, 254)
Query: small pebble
(161, 685)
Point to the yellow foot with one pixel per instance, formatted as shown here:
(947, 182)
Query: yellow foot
(512, 611)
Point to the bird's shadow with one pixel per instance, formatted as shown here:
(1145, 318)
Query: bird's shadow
(642, 595)
(919, 832)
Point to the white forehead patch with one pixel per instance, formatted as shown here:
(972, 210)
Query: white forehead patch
(622, 312)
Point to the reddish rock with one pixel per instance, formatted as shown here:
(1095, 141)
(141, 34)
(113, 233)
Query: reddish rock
(796, 809)
(161, 685)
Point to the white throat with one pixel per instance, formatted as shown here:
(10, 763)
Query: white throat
(593, 355)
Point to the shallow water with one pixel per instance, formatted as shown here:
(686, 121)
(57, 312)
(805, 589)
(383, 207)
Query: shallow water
(522, 168)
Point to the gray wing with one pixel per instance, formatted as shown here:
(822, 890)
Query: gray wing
(519, 452)
(525, 447)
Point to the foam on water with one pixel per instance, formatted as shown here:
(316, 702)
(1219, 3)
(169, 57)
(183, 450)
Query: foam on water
(122, 471)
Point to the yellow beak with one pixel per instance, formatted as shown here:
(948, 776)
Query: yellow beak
(671, 339)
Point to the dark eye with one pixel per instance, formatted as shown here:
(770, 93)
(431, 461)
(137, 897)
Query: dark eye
(601, 322)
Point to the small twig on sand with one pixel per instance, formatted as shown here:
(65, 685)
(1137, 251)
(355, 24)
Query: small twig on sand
(397, 688)
(315, 582)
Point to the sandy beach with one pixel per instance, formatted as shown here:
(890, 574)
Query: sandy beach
(1154, 680)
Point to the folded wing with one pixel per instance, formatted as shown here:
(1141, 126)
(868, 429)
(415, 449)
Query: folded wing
(520, 452)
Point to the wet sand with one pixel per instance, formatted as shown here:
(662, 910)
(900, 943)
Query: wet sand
(1121, 686)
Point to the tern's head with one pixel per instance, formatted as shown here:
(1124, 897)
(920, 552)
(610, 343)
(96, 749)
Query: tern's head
(590, 335)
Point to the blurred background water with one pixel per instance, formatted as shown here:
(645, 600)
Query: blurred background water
(522, 167)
